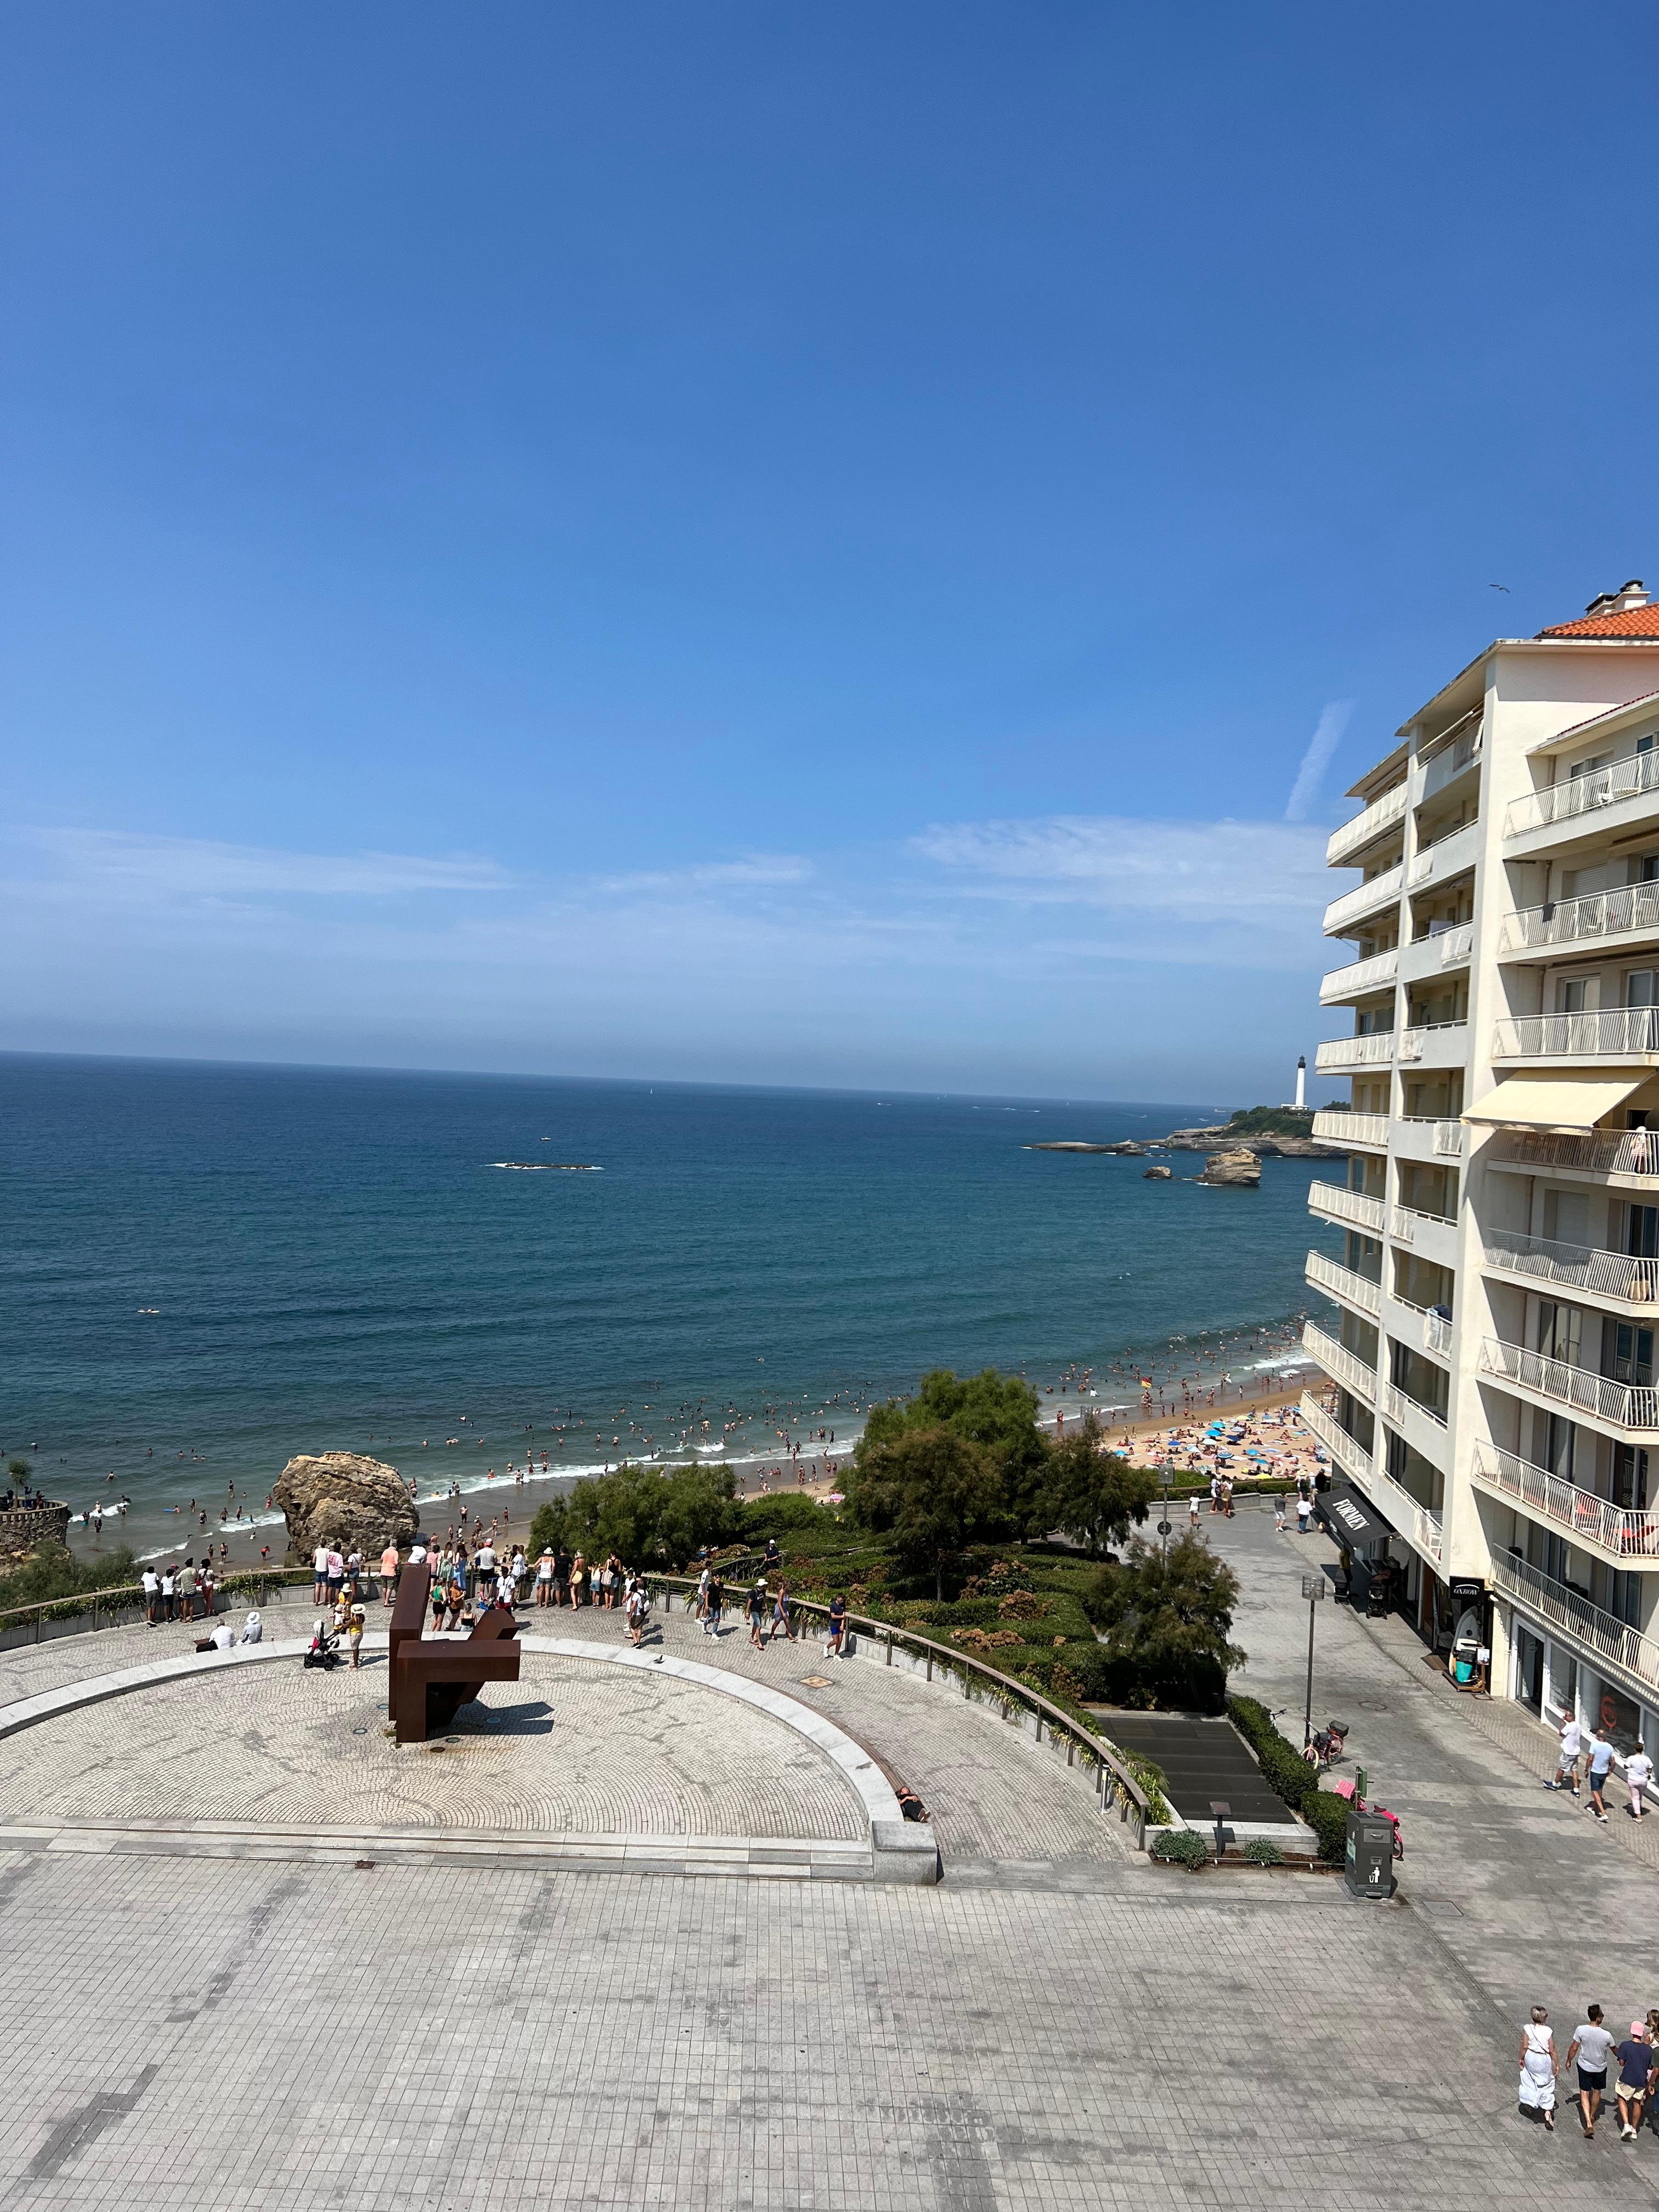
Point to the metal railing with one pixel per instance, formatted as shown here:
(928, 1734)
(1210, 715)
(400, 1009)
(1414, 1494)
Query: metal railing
(1374, 1049)
(1418, 1524)
(1351, 1205)
(1588, 1151)
(1353, 837)
(1586, 1517)
(1551, 1601)
(1414, 1041)
(1449, 1140)
(1399, 1406)
(1360, 975)
(1377, 892)
(1585, 1267)
(1339, 1128)
(1456, 945)
(86, 1612)
(1345, 1283)
(1583, 795)
(1437, 1329)
(1336, 1359)
(1611, 1033)
(1582, 921)
(1621, 1405)
(1405, 1221)
(1350, 1455)
(1427, 857)
(1449, 763)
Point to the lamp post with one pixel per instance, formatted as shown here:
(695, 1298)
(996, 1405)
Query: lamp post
(1313, 1589)
(1166, 1468)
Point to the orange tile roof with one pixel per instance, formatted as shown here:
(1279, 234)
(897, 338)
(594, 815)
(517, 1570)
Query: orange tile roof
(1635, 622)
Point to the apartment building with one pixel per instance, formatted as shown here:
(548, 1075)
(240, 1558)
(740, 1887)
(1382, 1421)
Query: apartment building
(1492, 1406)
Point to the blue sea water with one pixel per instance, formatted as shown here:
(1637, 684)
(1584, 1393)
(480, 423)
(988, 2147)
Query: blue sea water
(209, 1269)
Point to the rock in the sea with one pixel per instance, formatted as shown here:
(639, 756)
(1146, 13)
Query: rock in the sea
(1241, 1167)
(1156, 1175)
(337, 1498)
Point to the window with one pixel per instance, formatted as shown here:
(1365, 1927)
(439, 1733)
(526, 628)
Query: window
(1642, 1231)
(1642, 987)
(1560, 1331)
(1570, 992)
(1627, 1353)
(1630, 1477)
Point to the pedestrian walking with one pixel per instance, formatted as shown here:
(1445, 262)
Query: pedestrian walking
(1304, 1512)
(833, 1648)
(757, 1614)
(1635, 2066)
(1192, 1512)
(1538, 2068)
(355, 1628)
(1567, 1754)
(713, 1606)
(1601, 1766)
(1278, 1513)
(782, 1615)
(388, 1572)
(1638, 1772)
(1590, 2044)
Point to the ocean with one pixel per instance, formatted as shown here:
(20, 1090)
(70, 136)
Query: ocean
(210, 1269)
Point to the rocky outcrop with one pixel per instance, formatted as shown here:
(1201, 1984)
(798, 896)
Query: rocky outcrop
(1077, 1144)
(336, 1497)
(1156, 1175)
(1241, 1167)
(1266, 1144)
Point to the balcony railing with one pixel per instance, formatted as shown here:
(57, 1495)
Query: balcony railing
(1586, 1517)
(1584, 1268)
(1456, 945)
(1399, 1406)
(1338, 1128)
(1449, 1139)
(1345, 1283)
(1419, 1524)
(1451, 761)
(1584, 920)
(1353, 837)
(1583, 795)
(1615, 1033)
(1364, 898)
(1350, 1455)
(1428, 857)
(1620, 1405)
(1376, 1049)
(1589, 1151)
(1337, 1360)
(1424, 1037)
(1405, 1221)
(1350, 1206)
(1608, 1637)
(1359, 975)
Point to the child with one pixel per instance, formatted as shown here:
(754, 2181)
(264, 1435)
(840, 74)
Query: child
(1278, 1513)
(355, 1635)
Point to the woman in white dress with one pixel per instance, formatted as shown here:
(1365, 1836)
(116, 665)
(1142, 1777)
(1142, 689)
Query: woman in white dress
(1538, 2068)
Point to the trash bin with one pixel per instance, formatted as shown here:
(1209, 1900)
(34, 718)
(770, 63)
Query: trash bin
(1369, 1870)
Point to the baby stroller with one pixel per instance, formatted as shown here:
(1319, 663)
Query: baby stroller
(324, 1650)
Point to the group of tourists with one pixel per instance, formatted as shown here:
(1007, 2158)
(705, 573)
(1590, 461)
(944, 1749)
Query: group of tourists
(186, 1593)
(1594, 2053)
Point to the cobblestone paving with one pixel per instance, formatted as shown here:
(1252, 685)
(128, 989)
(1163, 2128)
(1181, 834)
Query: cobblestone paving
(573, 1747)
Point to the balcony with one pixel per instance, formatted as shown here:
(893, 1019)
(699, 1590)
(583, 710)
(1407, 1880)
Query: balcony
(1353, 1130)
(1583, 1268)
(1589, 1151)
(1366, 898)
(1598, 917)
(1632, 1406)
(1360, 976)
(1426, 1137)
(1350, 1455)
(1380, 816)
(1434, 1044)
(1448, 856)
(1619, 1533)
(1456, 946)
(1624, 1035)
(1376, 1049)
(1351, 1207)
(1447, 765)
(1431, 1236)
(1580, 795)
(1419, 1524)
(1344, 1366)
(1345, 1283)
(1608, 1639)
(1419, 1327)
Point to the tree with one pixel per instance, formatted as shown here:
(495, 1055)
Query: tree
(1090, 1495)
(647, 1518)
(931, 1490)
(1166, 1618)
(998, 1413)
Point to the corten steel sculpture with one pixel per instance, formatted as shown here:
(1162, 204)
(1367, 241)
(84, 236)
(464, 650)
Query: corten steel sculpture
(430, 1680)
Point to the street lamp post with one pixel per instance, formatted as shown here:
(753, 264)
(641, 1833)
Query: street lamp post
(1166, 1467)
(1313, 1589)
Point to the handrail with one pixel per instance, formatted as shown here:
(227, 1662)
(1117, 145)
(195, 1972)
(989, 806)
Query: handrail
(1349, 1128)
(1583, 795)
(1456, 945)
(1607, 1636)
(1345, 1283)
(129, 1597)
(1582, 921)
(1585, 1267)
(1626, 1531)
(1337, 1359)
(1610, 1031)
(1359, 975)
(1355, 1205)
(1622, 1405)
(1370, 822)
(1058, 1723)
(1374, 1049)
(1588, 1151)
(1376, 890)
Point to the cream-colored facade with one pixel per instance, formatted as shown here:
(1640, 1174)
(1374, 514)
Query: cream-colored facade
(1494, 1300)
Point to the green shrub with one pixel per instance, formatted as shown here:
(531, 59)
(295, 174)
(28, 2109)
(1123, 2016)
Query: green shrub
(1291, 1777)
(54, 1572)
(1326, 1814)
(1182, 1847)
(1259, 1852)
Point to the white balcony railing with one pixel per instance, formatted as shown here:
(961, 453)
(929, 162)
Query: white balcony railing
(1587, 1152)
(1437, 1039)
(1430, 857)
(1584, 921)
(1406, 1222)
(1350, 1206)
(1419, 1524)
(1350, 1455)
(1399, 1406)
(1584, 795)
(1353, 837)
(1441, 767)
(1620, 1405)
(1339, 1128)
(1456, 945)
(1602, 1633)
(1615, 1033)
(1586, 1267)
(1348, 1367)
(1357, 1290)
(1376, 1049)
(1586, 1517)
(1372, 974)
(1364, 899)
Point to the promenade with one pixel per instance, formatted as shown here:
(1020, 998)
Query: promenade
(1057, 2024)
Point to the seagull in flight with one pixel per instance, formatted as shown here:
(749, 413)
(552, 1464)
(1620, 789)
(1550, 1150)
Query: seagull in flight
(1497, 588)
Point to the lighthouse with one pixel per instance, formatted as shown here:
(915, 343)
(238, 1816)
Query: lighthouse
(1301, 1084)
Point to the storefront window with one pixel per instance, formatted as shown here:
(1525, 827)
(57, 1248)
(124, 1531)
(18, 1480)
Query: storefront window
(1618, 1718)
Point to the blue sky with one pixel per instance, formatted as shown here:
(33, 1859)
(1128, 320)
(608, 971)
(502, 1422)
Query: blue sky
(777, 545)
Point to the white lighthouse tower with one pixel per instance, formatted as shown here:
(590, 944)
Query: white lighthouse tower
(1302, 1084)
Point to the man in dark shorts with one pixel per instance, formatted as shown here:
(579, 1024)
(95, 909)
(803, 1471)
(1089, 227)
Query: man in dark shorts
(835, 1647)
(1635, 2064)
(1590, 2044)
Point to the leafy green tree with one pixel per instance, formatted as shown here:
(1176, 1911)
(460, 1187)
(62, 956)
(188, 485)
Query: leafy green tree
(646, 1517)
(1167, 1618)
(51, 1572)
(1090, 1495)
(998, 1413)
(930, 1491)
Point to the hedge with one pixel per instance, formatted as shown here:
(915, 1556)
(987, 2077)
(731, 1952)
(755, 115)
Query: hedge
(1182, 1846)
(1291, 1777)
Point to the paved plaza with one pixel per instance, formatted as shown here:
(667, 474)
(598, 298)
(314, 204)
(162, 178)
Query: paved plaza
(1057, 2024)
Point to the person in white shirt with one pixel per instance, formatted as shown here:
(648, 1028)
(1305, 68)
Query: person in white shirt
(1572, 1744)
(319, 1573)
(1638, 1772)
(1303, 1513)
(152, 1586)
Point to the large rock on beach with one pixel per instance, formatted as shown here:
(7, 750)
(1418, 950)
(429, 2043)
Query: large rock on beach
(1241, 1167)
(337, 1497)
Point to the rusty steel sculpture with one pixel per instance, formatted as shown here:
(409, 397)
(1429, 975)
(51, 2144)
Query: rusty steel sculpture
(429, 1678)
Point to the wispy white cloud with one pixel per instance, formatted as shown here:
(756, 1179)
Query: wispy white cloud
(203, 868)
(1327, 735)
(759, 871)
(1203, 871)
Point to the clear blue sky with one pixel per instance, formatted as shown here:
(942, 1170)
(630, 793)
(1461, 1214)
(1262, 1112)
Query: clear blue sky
(767, 543)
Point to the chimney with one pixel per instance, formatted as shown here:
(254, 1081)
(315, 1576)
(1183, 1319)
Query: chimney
(1632, 594)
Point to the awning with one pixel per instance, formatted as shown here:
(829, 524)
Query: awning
(1352, 1520)
(1553, 1101)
